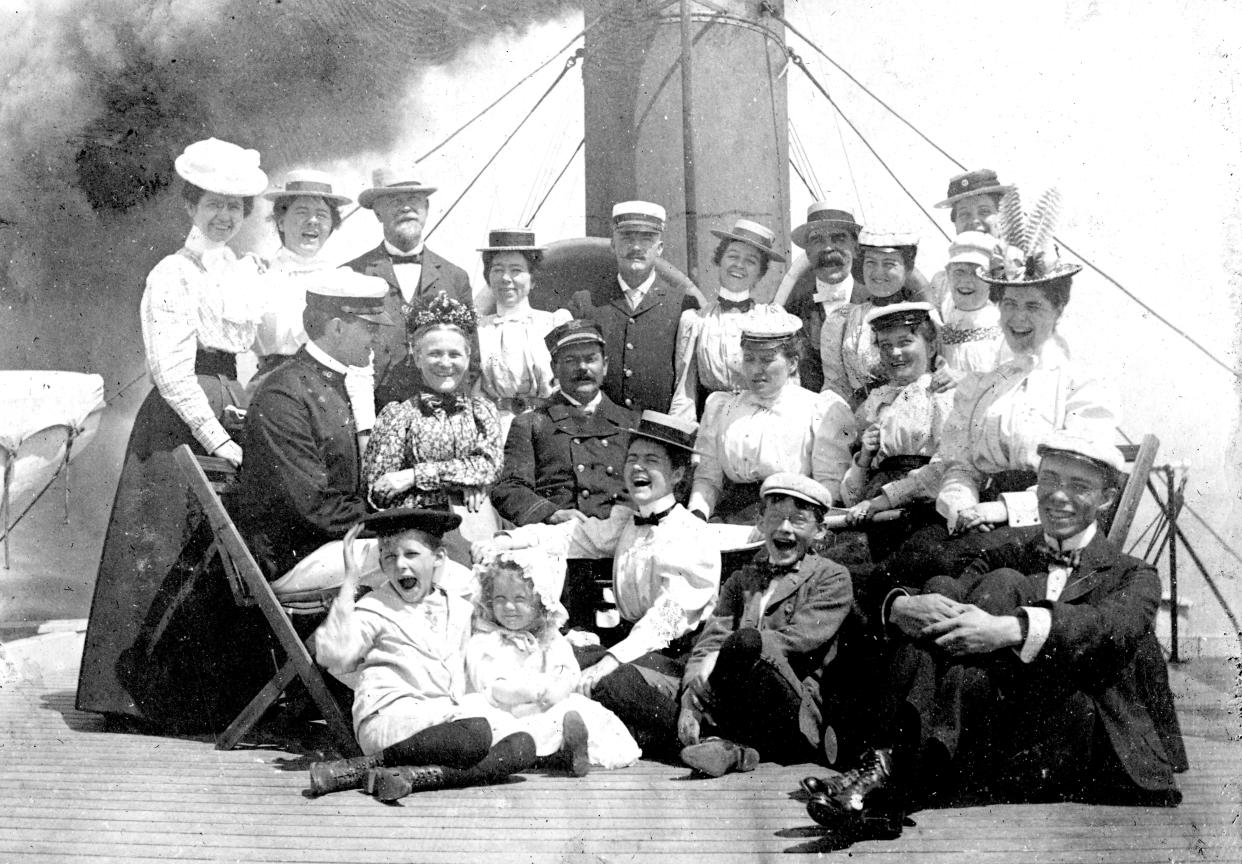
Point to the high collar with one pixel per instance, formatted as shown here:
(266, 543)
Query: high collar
(208, 252)
(323, 357)
(288, 261)
(658, 506)
(1071, 544)
(520, 312)
(401, 253)
(642, 287)
(589, 407)
(735, 296)
(827, 292)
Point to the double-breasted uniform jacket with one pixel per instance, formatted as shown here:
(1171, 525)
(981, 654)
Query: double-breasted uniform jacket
(300, 484)
(798, 626)
(556, 458)
(395, 378)
(1101, 639)
(641, 343)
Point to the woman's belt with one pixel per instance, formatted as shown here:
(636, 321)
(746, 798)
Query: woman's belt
(1015, 480)
(209, 361)
(902, 463)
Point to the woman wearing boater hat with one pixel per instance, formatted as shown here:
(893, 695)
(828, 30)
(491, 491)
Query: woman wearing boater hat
(199, 310)
(515, 365)
(306, 212)
(709, 354)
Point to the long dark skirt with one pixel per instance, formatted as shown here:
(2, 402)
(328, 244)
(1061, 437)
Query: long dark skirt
(165, 643)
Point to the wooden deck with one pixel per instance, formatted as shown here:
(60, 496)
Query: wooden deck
(72, 792)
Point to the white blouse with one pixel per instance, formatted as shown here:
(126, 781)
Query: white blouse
(202, 296)
(745, 439)
(848, 350)
(999, 418)
(512, 354)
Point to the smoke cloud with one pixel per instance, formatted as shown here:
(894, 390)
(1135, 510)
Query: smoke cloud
(99, 96)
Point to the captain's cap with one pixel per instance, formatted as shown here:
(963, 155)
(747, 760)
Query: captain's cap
(345, 292)
(221, 167)
(399, 519)
(573, 332)
(638, 216)
(773, 327)
(892, 241)
(902, 315)
(666, 429)
(796, 486)
(1083, 446)
(974, 247)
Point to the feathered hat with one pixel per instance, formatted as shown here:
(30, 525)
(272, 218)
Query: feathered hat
(1032, 257)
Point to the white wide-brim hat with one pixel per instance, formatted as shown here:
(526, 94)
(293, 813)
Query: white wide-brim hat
(221, 167)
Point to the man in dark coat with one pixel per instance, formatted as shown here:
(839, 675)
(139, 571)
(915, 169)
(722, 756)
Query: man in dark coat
(638, 312)
(414, 275)
(564, 460)
(300, 481)
(1017, 680)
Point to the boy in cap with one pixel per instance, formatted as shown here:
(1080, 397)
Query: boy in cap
(406, 641)
(565, 459)
(1021, 679)
(666, 572)
(754, 675)
(638, 312)
(413, 273)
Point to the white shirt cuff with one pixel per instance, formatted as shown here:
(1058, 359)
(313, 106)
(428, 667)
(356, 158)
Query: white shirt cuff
(1038, 626)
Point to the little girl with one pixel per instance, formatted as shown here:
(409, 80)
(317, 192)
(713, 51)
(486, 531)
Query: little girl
(518, 659)
(971, 339)
(899, 424)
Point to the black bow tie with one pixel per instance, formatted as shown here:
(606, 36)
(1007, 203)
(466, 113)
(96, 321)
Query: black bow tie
(740, 305)
(653, 519)
(1068, 559)
(430, 403)
(416, 258)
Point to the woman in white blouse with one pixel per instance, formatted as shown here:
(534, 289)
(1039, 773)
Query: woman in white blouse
(306, 213)
(772, 425)
(516, 369)
(199, 310)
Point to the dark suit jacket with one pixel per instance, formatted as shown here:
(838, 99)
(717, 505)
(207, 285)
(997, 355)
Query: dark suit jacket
(396, 379)
(1100, 639)
(300, 484)
(555, 460)
(641, 344)
(799, 626)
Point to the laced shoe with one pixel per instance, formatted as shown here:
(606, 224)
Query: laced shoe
(716, 757)
(390, 784)
(341, 774)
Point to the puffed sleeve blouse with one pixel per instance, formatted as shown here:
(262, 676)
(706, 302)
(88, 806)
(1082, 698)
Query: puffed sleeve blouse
(850, 357)
(513, 358)
(1000, 417)
(204, 296)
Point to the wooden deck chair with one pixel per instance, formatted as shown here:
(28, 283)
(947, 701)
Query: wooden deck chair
(1139, 459)
(251, 588)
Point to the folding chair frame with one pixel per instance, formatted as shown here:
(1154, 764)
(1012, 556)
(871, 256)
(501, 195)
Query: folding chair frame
(251, 588)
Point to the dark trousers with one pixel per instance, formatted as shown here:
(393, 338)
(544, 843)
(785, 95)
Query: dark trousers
(644, 695)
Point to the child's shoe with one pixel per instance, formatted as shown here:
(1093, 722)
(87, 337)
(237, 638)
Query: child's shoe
(574, 744)
(342, 774)
(390, 784)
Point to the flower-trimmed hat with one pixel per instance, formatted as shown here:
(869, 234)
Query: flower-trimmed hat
(309, 183)
(752, 234)
(221, 167)
(666, 429)
(981, 182)
(1031, 259)
(903, 315)
(442, 309)
(391, 181)
(824, 213)
(511, 240)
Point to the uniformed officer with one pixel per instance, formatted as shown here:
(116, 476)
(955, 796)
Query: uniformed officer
(638, 312)
(564, 460)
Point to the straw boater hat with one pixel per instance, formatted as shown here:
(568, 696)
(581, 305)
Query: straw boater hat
(903, 314)
(1031, 257)
(511, 240)
(574, 332)
(311, 183)
(824, 213)
(974, 247)
(666, 429)
(796, 486)
(221, 167)
(889, 241)
(391, 181)
(343, 291)
(774, 327)
(752, 234)
(638, 216)
(981, 182)
(1103, 454)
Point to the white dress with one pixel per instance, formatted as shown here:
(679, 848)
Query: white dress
(495, 654)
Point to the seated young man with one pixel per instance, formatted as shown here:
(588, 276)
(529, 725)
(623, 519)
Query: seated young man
(754, 675)
(666, 572)
(1017, 681)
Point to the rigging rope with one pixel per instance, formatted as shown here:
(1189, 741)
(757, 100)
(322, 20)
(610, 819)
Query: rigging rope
(797, 171)
(569, 64)
(568, 162)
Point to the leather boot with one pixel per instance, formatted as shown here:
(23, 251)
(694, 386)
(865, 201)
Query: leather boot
(572, 758)
(342, 774)
(716, 757)
(389, 784)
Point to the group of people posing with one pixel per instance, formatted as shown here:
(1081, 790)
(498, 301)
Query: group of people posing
(555, 532)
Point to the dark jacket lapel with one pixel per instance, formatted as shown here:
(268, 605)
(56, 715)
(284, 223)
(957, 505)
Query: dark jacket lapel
(1098, 558)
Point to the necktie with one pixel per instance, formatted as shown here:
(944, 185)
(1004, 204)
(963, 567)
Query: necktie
(634, 297)
(740, 305)
(416, 258)
(653, 519)
(1061, 564)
